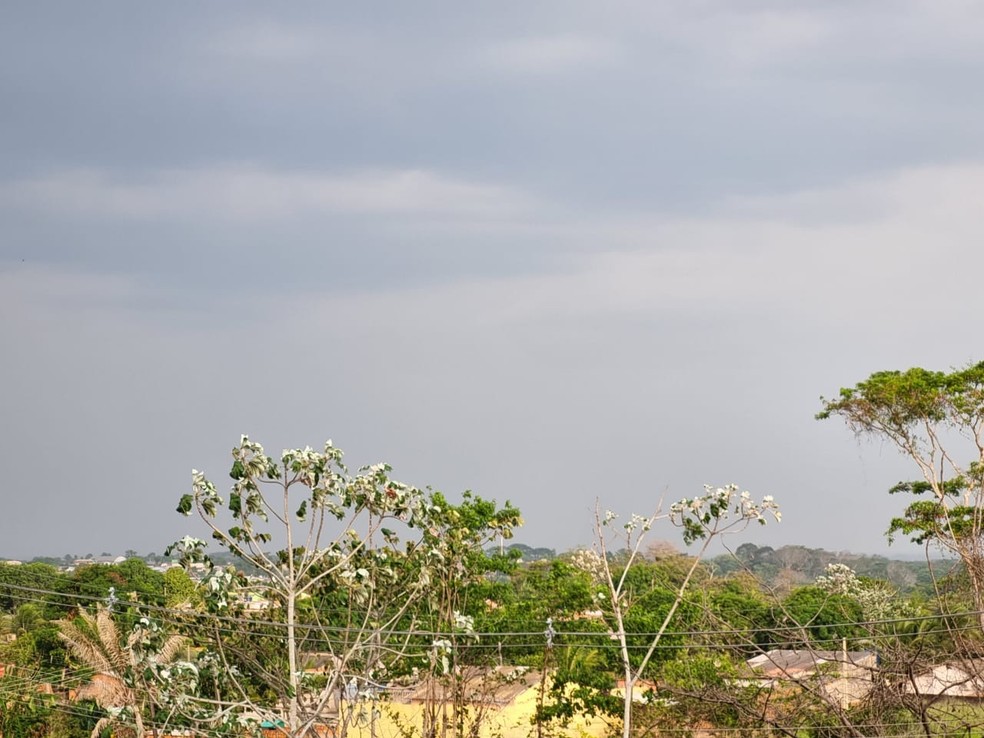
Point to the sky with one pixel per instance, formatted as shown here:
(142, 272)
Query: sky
(561, 253)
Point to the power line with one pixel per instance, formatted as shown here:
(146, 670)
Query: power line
(182, 616)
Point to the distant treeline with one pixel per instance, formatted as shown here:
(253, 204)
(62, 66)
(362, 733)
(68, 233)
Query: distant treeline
(794, 565)
(781, 568)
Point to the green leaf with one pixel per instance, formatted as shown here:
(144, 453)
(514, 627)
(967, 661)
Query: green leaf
(184, 506)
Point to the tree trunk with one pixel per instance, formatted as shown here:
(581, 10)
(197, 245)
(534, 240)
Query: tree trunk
(627, 707)
(293, 719)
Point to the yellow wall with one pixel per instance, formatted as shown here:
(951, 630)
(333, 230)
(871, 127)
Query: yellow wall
(512, 721)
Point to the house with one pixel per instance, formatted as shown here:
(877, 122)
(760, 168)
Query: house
(642, 690)
(320, 662)
(963, 681)
(501, 704)
(843, 677)
(254, 602)
(495, 687)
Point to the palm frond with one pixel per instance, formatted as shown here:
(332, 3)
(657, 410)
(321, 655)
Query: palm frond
(170, 648)
(109, 637)
(83, 647)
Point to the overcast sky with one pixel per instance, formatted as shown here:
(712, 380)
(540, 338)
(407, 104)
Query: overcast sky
(549, 252)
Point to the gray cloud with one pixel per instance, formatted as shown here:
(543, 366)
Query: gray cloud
(551, 255)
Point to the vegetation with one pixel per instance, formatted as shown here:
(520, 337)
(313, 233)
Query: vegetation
(936, 419)
(334, 591)
(481, 610)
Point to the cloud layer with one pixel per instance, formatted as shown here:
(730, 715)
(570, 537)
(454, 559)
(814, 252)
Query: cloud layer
(551, 255)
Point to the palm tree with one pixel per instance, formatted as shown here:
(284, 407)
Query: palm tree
(120, 664)
(26, 618)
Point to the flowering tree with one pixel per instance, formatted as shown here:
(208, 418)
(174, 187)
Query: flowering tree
(878, 599)
(703, 518)
(342, 559)
(452, 667)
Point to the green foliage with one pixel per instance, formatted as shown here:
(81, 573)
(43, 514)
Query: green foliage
(899, 398)
(738, 604)
(914, 410)
(582, 684)
(22, 583)
(26, 618)
(130, 580)
(179, 589)
(25, 713)
(700, 688)
(692, 671)
(930, 520)
(937, 420)
(766, 564)
(823, 618)
(49, 651)
(524, 601)
(554, 589)
(652, 589)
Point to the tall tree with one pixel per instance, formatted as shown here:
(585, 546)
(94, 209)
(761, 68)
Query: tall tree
(703, 518)
(344, 561)
(936, 419)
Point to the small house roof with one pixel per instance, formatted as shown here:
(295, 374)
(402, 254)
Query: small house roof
(792, 663)
(949, 680)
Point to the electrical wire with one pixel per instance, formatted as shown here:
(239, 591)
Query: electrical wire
(280, 624)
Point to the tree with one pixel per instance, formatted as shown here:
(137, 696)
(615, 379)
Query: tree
(179, 588)
(27, 583)
(26, 618)
(878, 599)
(128, 675)
(343, 560)
(703, 518)
(459, 575)
(25, 712)
(821, 619)
(937, 420)
(738, 603)
(129, 580)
